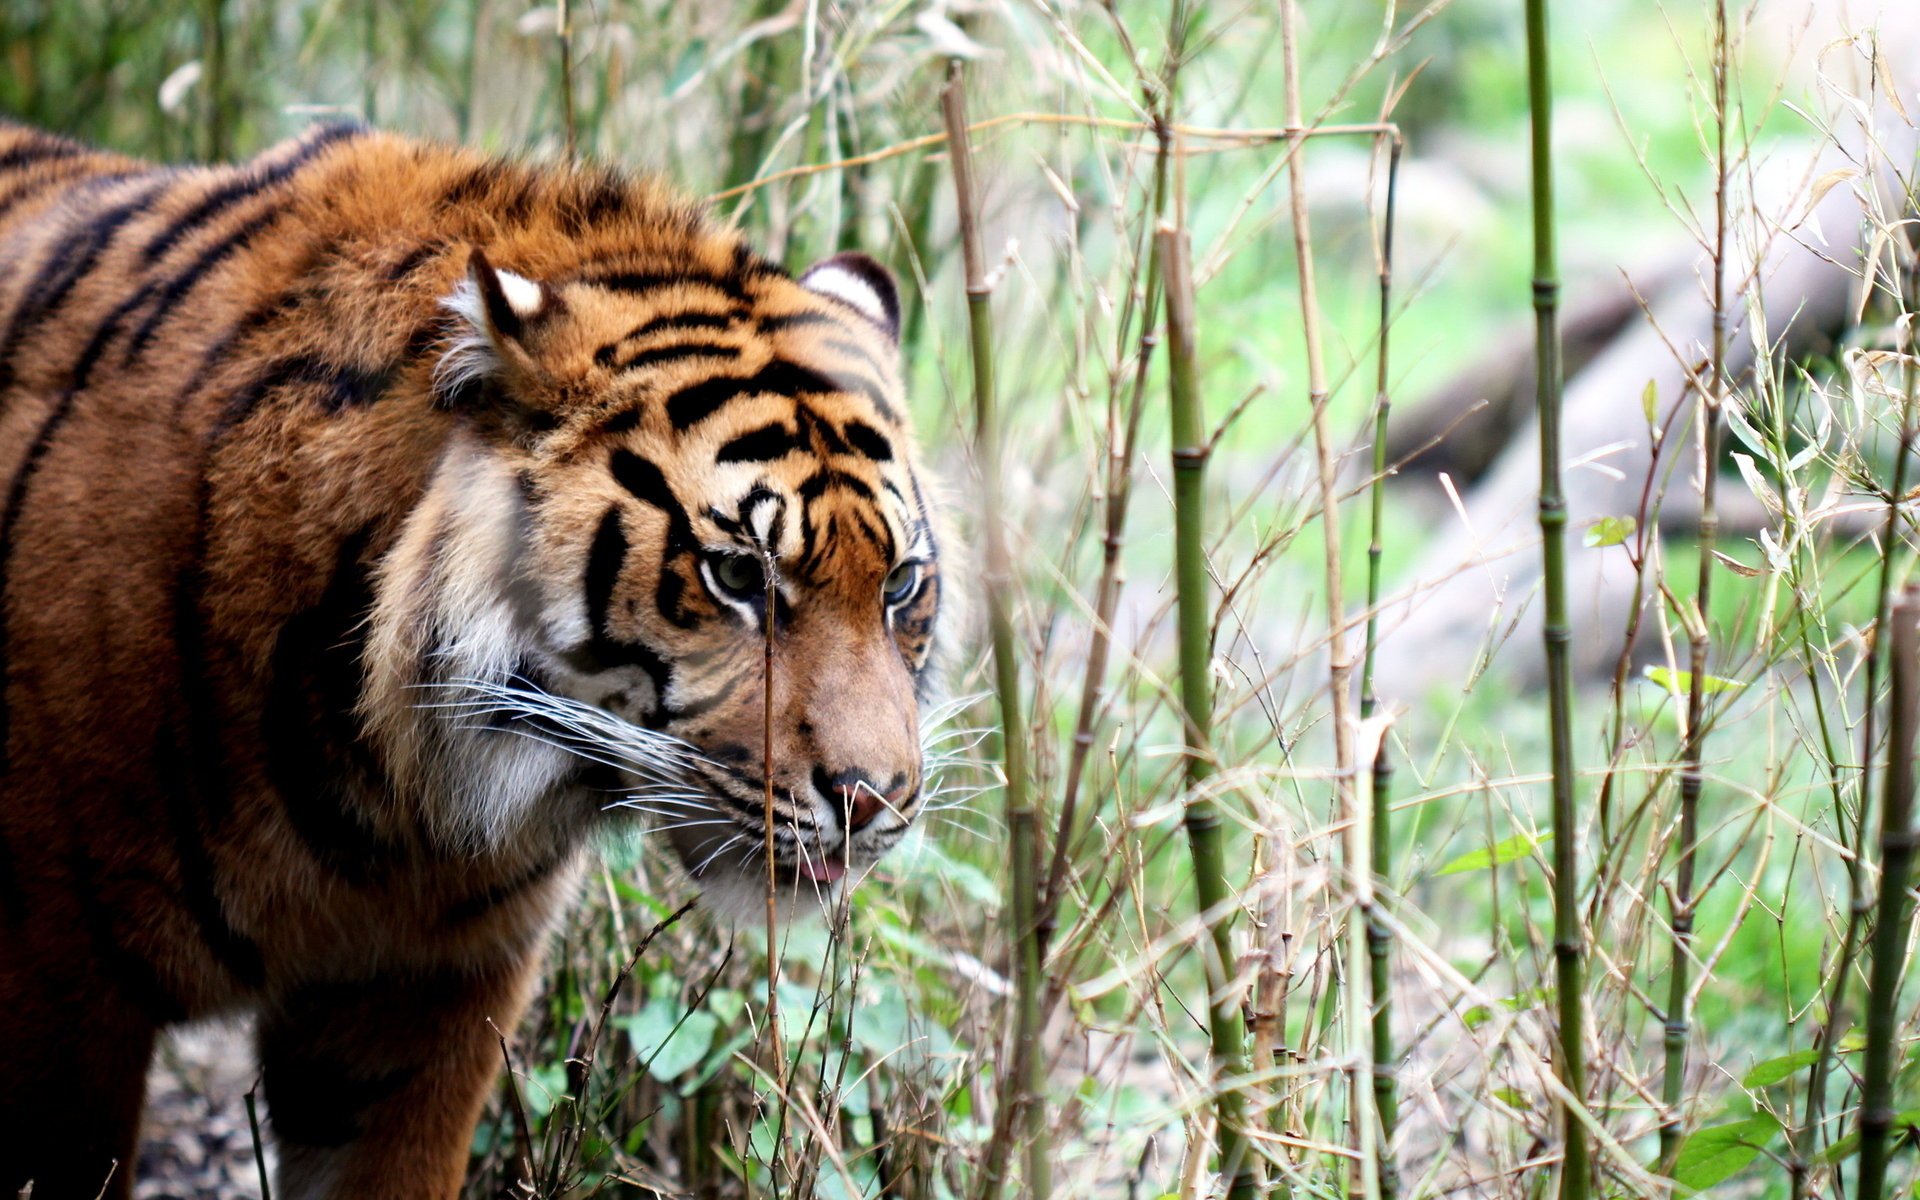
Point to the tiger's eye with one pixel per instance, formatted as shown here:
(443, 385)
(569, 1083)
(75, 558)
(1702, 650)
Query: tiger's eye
(901, 581)
(740, 574)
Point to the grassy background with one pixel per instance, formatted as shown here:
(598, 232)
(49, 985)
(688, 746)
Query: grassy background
(896, 1018)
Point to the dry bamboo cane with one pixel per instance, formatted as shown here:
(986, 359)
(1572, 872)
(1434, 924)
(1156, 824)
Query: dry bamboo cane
(1568, 940)
(1225, 1027)
(1348, 799)
(1386, 1100)
(1020, 1088)
(1712, 393)
(1890, 922)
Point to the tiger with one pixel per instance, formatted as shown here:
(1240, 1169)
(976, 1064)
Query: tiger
(384, 520)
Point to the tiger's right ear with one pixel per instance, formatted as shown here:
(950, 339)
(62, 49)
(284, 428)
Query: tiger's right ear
(494, 310)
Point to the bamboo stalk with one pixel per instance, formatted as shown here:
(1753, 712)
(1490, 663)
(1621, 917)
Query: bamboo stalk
(1890, 922)
(1386, 1099)
(1568, 939)
(1348, 800)
(1678, 1024)
(1193, 607)
(1020, 1087)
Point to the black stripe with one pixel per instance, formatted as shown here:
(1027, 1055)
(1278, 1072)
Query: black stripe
(691, 405)
(644, 480)
(137, 979)
(606, 355)
(603, 651)
(23, 476)
(661, 354)
(471, 908)
(816, 484)
(852, 350)
(75, 257)
(868, 440)
(414, 260)
(36, 149)
(316, 759)
(249, 181)
(775, 322)
(184, 281)
(341, 386)
(238, 954)
(853, 381)
(638, 282)
(764, 444)
(255, 319)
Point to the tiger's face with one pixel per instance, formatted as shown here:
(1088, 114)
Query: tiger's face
(683, 550)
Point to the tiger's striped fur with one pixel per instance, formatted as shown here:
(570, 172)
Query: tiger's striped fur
(377, 516)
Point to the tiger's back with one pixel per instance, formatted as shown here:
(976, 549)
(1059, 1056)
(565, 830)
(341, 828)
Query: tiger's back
(249, 509)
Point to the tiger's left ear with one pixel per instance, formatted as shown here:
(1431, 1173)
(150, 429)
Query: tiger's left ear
(860, 283)
(494, 312)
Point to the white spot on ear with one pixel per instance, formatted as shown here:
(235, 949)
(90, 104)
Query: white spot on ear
(523, 295)
(843, 284)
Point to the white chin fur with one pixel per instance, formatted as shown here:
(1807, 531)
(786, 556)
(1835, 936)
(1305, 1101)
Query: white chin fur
(740, 897)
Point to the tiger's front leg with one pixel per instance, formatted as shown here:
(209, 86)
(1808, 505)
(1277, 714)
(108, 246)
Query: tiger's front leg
(374, 1086)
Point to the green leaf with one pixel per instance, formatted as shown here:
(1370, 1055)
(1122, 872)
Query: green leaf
(1719, 1151)
(1512, 1098)
(1610, 531)
(1772, 1071)
(1650, 403)
(1505, 851)
(1680, 683)
(669, 1042)
(1477, 1016)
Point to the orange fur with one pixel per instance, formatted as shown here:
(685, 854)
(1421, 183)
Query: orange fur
(377, 513)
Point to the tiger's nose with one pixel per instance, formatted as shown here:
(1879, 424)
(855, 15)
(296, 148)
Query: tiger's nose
(858, 799)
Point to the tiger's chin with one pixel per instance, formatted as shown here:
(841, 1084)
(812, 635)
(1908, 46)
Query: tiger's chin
(735, 883)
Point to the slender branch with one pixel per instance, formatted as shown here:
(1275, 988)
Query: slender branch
(1020, 1101)
(1678, 1025)
(1568, 939)
(1348, 801)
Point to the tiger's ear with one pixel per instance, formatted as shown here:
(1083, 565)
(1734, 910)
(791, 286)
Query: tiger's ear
(493, 312)
(860, 283)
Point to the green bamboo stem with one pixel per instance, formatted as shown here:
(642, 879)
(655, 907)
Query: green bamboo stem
(1020, 1107)
(1890, 922)
(1678, 1024)
(370, 50)
(1568, 938)
(1193, 610)
(1386, 1098)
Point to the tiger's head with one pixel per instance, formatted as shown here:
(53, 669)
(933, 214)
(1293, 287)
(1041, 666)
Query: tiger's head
(677, 558)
